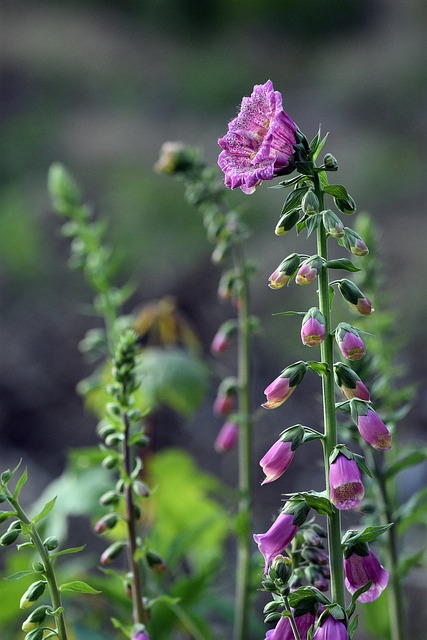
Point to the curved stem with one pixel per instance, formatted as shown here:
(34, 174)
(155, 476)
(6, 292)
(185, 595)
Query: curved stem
(329, 414)
(138, 607)
(55, 594)
(241, 617)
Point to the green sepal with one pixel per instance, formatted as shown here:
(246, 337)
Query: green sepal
(293, 201)
(342, 263)
(312, 222)
(298, 434)
(272, 617)
(337, 191)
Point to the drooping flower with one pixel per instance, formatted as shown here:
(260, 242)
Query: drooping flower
(373, 430)
(355, 297)
(345, 483)
(227, 437)
(283, 629)
(333, 224)
(277, 538)
(284, 272)
(284, 385)
(331, 629)
(313, 328)
(260, 141)
(354, 243)
(351, 386)
(141, 634)
(349, 341)
(277, 459)
(222, 337)
(225, 398)
(359, 570)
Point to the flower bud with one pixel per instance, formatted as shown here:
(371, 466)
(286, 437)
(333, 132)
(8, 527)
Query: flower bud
(287, 222)
(226, 286)
(333, 225)
(316, 578)
(176, 157)
(3, 497)
(346, 205)
(282, 566)
(35, 634)
(284, 272)
(51, 543)
(354, 296)
(330, 163)
(309, 270)
(106, 523)
(350, 384)
(349, 341)
(32, 594)
(373, 430)
(140, 634)
(310, 202)
(9, 537)
(225, 399)
(109, 498)
(141, 489)
(111, 553)
(284, 385)
(354, 243)
(313, 328)
(35, 618)
(222, 337)
(227, 437)
(155, 562)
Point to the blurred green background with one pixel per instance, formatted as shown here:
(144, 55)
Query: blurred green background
(100, 85)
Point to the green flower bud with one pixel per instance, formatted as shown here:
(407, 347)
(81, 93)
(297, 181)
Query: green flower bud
(109, 498)
(38, 566)
(9, 537)
(310, 203)
(37, 634)
(330, 162)
(3, 497)
(155, 562)
(51, 543)
(32, 594)
(287, 222)
(346, 206)
(35, 618)
(63, 189)
(106, 523)
(141, 489)
(110, 462)
(111, 553)
(4, 515)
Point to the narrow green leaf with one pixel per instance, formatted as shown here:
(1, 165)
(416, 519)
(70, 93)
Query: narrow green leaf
(352, 626)
(413, 511)
(301, 225)
(321, 368)
(369, 534)
(45, 511)
(317, 501)
(408, 562)
(342, 263)
(78, 587)
(18, 575)
(312, 222)
(22, 480)
(290, 313)
(64, 552)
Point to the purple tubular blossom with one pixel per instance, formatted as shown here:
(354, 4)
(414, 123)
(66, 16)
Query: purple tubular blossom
(346, 488)
(360, 391)
(364, 306)
(350, 344)
(278, 279)
(277, 538)
(227, 437)
(224, 404)
(313, 328)
(277, 459)
(140, 635)
(283, 629)
(260, 141)
(331, 629)
(373, 431)
(277, 392)
(306, 274)
(359, 570)
(220, 342)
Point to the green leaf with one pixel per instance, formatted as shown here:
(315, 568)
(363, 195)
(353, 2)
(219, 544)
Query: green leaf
(301, 225)
(78, 587)
(352, 627)
(304, 598)
(317, 501)
(45, 511)
(290, 313)
(342, 263)
(64, 552)
(18, 575)
(408, 459)
(22, 480)
(169, 600)
(321, 368)
(337, 191)
(293, 201)
(408, 562)
(413, 511)
(369, 534)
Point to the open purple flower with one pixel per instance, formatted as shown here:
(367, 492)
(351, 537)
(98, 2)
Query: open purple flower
(331, 629)
(373, 430)
(359, 570)
(260, 141)
(284, 385)
(345, 483)
(283, 629)
(277, 459)
(279, 535)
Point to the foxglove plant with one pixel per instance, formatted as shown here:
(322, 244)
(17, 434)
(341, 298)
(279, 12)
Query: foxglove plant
(262, 143)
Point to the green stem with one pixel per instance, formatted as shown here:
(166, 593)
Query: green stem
(292, 620)
(55, 594)
(138, 607)
(329, 413)
(394, 588)
(241, 617)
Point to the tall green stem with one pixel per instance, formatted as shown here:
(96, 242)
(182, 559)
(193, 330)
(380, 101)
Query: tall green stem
(329, 413)
(55, 594)
(241, 619)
